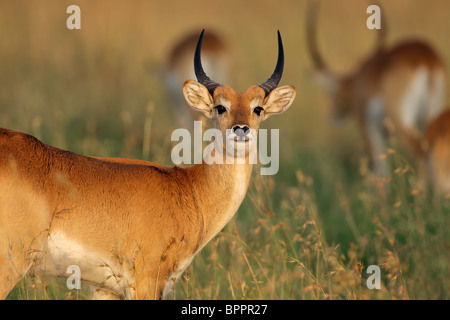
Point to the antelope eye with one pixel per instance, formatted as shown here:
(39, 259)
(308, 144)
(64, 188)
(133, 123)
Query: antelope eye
(220, 109)
(258, 110)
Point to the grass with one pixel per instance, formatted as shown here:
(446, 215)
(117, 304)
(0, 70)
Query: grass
(309, 232)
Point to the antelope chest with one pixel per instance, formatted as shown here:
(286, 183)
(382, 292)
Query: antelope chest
(238, 190)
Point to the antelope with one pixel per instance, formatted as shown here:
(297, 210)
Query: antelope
(131, 226)
(216, 60)
(437, 137)
(395, 90)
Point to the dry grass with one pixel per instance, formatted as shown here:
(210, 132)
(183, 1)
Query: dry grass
(307, 233)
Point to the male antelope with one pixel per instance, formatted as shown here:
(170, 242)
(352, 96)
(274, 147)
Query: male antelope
(215, 59)
(403, 86)
(437, 137)
(131, 226)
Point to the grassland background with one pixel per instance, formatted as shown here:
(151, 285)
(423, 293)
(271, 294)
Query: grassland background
(308, 232)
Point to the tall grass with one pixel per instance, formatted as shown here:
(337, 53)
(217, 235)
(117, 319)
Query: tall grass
(309, 232)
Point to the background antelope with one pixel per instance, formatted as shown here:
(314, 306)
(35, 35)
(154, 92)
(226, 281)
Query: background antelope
(215, 59)
(69, 89)
(131, 226)
(437, 137)
(395, 90)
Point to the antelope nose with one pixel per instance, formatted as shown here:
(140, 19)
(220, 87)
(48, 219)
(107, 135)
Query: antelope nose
(241, 131)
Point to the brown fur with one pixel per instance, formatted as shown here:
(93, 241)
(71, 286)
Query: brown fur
(146, 221)
(387, 75)
(437, 137)
(391, 73)
(396, 90)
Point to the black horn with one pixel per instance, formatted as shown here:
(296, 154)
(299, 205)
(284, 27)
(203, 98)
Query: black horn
(199, 73)
(311, 35)
(275, 78)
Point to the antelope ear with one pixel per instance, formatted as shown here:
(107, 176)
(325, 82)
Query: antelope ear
(279, 100)
(198, 97)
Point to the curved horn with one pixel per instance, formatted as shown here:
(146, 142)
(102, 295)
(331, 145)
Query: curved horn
(199, 73)
(275, 78)
(382, 33)
(311, 18)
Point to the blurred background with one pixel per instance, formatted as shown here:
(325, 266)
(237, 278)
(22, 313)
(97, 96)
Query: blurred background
(309, 231)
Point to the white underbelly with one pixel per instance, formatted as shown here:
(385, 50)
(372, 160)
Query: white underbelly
(422, 100)
(95, 267)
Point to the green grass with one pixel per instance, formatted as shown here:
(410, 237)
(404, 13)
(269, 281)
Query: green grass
(308, 232)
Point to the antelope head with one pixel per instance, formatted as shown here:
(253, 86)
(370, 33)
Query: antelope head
(238, 114)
